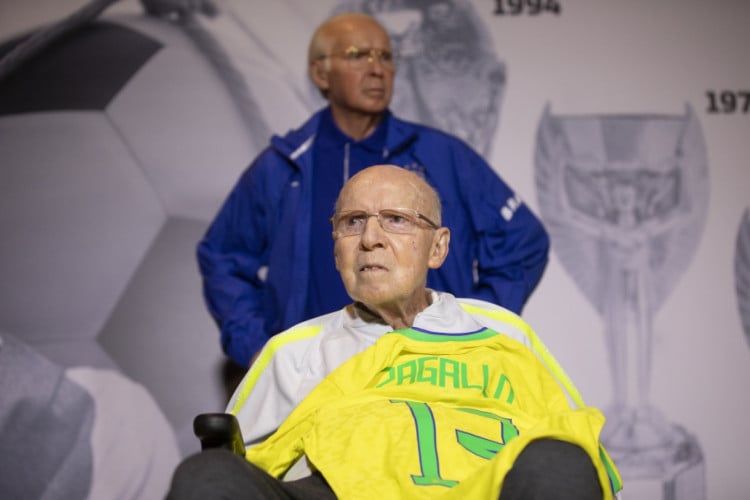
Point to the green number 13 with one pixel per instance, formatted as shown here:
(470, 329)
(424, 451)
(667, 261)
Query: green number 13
(429, 462)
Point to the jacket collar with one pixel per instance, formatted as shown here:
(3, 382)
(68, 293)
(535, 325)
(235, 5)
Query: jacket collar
(297, 143)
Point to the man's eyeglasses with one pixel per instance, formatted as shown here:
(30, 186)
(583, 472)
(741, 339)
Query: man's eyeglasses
(359, 58)
(392, 220)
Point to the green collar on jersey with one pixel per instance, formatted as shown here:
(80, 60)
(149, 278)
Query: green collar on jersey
(427, 336)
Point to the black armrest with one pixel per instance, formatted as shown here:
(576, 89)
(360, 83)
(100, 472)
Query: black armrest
(219, 430)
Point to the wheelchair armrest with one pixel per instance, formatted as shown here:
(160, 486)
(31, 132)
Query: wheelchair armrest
(219, 430)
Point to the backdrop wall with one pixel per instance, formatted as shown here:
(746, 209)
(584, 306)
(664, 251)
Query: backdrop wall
(624, 125)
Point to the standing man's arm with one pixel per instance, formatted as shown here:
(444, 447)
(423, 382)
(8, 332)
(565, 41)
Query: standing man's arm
(512, 243)
(231, 259)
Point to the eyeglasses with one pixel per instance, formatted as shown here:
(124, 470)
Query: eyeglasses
(392, 220)
(359, 58)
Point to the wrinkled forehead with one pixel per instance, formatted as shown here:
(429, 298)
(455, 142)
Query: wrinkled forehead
(373, 191)
(360, 34)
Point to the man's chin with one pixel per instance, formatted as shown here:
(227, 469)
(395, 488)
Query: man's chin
(373, 296)
(375, 105)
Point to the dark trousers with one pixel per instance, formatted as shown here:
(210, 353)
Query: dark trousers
(221, 475)
(547, 469)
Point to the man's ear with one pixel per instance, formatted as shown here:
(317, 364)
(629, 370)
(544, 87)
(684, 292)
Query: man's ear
(319, 74)
(439, 251)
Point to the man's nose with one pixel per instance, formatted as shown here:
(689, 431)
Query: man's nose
(373, 233)
(376, 65)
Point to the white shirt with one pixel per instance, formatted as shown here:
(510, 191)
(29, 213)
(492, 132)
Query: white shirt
(293, 362)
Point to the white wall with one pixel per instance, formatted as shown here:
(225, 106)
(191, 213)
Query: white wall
(618, 57)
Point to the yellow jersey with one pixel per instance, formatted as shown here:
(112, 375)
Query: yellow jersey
(431, 415)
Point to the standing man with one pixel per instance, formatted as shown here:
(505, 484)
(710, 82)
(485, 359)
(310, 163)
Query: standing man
(265, 266)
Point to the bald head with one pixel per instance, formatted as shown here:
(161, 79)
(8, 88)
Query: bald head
(351, 64)
(398, 182)
(336, 27)
(384, 265)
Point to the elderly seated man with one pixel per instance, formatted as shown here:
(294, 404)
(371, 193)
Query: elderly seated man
(407, 392)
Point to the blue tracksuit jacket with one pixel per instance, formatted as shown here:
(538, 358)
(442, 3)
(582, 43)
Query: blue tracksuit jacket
(254, 258)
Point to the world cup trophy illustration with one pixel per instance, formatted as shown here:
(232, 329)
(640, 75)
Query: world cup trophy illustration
(624, 198)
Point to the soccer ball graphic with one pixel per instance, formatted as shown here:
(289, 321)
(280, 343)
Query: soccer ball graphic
(118, 144)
